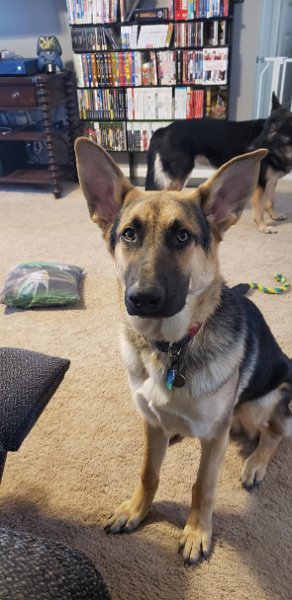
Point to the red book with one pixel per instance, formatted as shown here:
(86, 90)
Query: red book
(225, 8)
(180, 10)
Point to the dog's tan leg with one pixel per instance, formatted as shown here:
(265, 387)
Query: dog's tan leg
(258, 206)
(130, 513)
(270, 201)
(255, 466)
(196, 538)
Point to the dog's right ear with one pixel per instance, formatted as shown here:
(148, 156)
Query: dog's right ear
(224, 195)
(275, 102)
(103, 183)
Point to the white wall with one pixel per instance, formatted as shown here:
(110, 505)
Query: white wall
(23, 21)
(243, 64)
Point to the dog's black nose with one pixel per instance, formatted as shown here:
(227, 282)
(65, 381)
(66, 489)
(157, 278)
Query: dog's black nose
(144, 302)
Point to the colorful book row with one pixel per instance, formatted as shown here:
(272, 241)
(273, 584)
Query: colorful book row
(81, 12)
(102, 104)
(202, 67)
(135, 68)
(200, 9)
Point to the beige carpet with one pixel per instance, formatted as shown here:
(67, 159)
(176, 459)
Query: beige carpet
(82, 457)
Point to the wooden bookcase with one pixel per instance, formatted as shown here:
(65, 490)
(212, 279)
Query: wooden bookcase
(28, 104)
(134, 77)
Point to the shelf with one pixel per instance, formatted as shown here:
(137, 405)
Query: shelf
(38, 107)
(197, 86)
(160, 49)
(25, 135)
(153, 22)
(120, 65)
(41, 93)
(129, 120)
(39, 175)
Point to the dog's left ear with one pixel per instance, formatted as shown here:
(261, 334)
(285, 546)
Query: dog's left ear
(225, 194)
(103, 183)
(275, 102)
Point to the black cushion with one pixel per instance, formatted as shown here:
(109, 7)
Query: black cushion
(33, 568)
(27, 382)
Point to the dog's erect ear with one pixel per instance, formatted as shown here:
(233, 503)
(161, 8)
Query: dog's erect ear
(275, 102)
(225, 194)
(102, 182)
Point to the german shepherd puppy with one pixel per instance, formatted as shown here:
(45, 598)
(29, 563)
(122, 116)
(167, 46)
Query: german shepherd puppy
(174, 149)
(197, 352)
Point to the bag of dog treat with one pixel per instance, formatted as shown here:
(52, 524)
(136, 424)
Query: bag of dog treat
(41, 284)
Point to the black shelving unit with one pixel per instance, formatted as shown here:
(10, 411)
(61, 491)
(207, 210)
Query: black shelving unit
(110, 78)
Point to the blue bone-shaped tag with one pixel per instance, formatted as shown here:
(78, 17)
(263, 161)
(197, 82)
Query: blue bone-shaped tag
(169, 378)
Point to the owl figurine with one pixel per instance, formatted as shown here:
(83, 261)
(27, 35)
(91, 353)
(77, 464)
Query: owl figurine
(49, 54)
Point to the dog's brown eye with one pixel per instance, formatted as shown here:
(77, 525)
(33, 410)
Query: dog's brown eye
(183, 236)
(129, 234)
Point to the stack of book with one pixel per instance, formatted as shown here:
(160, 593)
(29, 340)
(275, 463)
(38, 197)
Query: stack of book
(155, 36)
(200, 9)
(110, 135)
(166, 67)
(93, 11)
(188, 103)
(188, 34)
(129, 37)
(149, 103)
(139, 134)
(101, 104)
(108, 69)
(199, 33)
(202, 67)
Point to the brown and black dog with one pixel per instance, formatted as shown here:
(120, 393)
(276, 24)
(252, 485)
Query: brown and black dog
(175, 149)
(198, 353)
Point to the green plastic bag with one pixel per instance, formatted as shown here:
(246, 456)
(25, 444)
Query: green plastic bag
(41, 284)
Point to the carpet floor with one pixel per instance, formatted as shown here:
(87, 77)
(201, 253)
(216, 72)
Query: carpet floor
(83, 456)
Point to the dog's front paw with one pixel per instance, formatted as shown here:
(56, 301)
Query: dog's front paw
(195, 543)
(126, 518)
(253, 472)
(267, 229)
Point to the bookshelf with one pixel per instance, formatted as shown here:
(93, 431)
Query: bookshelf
(135, 76)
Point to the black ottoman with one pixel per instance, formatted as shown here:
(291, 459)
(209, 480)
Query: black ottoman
(27, 382)
(33, 568)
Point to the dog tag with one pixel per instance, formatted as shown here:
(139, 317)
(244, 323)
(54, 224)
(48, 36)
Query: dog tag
(174, 378)
(179, 380)
(169, 378)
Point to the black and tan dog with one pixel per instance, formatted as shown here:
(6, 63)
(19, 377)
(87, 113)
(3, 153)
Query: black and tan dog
(175, 149)
(197, 352)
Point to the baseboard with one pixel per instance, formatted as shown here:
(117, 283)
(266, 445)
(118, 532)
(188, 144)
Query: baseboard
(197, 173)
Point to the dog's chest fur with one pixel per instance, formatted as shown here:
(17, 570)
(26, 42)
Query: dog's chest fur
(199, 407)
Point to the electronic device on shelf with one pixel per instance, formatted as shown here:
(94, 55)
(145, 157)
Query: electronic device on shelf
(18, 66)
